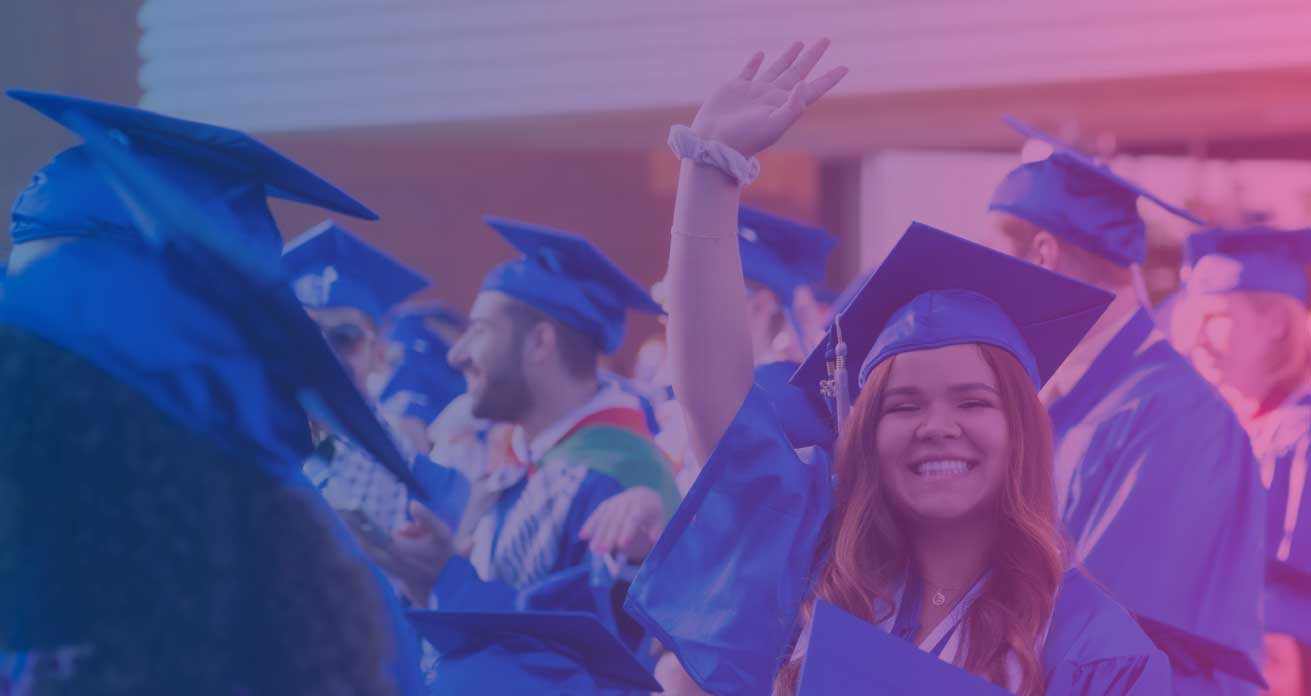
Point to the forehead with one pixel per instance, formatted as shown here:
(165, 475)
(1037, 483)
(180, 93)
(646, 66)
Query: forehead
(490, 305)
(941, 367)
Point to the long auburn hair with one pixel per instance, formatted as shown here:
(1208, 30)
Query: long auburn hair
(865, 547)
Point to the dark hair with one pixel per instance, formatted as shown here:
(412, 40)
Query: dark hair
(579, 352)
(180, 569)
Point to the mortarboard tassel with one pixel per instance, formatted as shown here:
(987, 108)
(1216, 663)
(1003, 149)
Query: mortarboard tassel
(841, 385)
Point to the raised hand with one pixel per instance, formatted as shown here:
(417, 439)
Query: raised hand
(753, 110)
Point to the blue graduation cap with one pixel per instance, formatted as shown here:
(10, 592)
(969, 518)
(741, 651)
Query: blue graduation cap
(1256, 259)
(423, 378)
(212, 163)
(845, 651)
(1080, 200)
(566, 277)
(229, 353)
(330, 267)
(781, 254)
(935, 289)
(528, 652)
(1190, 653)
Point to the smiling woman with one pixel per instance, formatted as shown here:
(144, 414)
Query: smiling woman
(937, 519)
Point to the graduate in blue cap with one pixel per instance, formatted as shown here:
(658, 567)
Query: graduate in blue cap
(348, 285)
(779, 257)
(1178, 544)
(579, 448)
(156, 381)
(420, 383)
(937, 519)
(1242, 320)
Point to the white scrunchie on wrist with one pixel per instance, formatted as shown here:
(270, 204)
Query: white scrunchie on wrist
(688, 145)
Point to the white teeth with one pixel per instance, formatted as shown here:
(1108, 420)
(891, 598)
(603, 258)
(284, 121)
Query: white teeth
(942, 467)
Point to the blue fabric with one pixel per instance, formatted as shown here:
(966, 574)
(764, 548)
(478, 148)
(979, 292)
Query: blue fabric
(1258, 259)
(1286, 457)
(725, 582)
(804, 424)
(196, 244)
(935, 289)
(567, 278)
(950, 317)
(69, 197)
(529, 652)
(781, 254)
(458, 586)
(844, 651)
(1164, 501)
(1079, 200)
(423, 375)
(220, 153)
(331, 267)
(127, 314)
(445, 490)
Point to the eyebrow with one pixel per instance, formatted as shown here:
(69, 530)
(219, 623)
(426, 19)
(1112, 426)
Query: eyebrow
(956, 388)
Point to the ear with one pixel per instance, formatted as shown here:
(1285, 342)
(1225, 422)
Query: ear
(1045, 250)
(539, 343)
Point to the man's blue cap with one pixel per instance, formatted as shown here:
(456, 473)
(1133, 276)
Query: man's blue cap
(200, 322)
(567, 278)
(528, 652)
(845, 651)
(423, 380)
(936, 289)
(330, 267)
(212, 163)
(781, 254)
(1255, 259)
(1079, 200)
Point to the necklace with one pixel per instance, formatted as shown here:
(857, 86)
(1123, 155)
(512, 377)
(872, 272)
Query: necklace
(939, 596)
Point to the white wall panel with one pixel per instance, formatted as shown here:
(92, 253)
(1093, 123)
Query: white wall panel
(299, 64)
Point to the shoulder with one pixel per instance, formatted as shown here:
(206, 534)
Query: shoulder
(1088, 625)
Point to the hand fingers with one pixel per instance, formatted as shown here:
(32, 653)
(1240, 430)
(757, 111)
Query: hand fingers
(818, 87)
(604, 530)
(423, 517)
(802, 66)
(627, 531)
(749, 70)
(782, 63)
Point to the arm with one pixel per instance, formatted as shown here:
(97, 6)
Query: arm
(710, 349)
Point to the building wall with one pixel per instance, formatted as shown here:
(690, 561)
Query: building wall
(84, 47)
(297, 64)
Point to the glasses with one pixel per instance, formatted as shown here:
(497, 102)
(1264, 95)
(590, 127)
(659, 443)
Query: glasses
(345, 338)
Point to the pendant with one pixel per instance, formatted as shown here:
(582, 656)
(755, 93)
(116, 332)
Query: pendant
(939, 598)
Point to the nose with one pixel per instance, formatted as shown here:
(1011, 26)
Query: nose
(458, 355)
(939, 422)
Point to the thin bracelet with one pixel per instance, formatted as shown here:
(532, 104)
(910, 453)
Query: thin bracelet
(696, 235)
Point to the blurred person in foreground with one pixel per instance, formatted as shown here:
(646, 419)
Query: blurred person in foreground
(155, 372)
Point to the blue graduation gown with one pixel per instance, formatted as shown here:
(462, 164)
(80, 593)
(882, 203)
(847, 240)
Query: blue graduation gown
(1283, 446)
(724, 584)
(1163, 497)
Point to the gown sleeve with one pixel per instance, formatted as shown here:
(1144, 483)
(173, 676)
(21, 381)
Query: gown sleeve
(1094, 647)
(723, 585)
